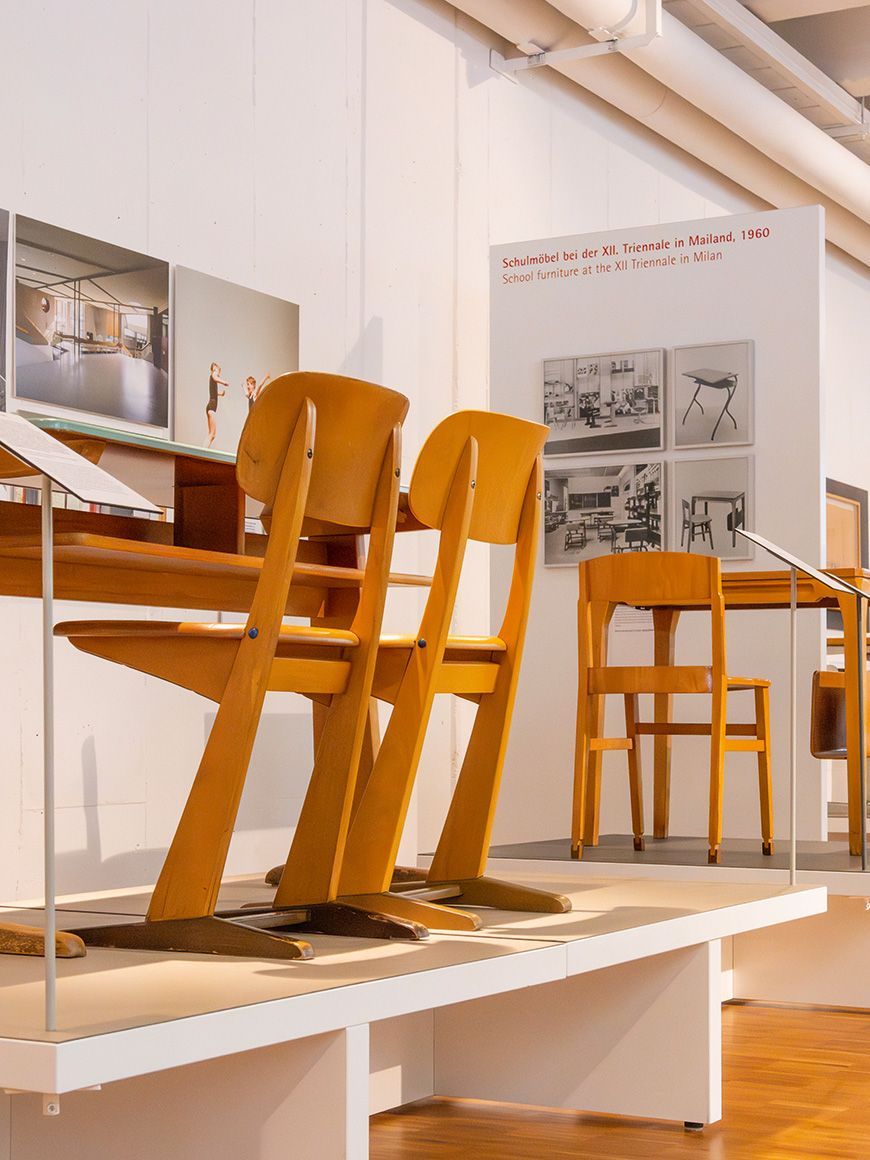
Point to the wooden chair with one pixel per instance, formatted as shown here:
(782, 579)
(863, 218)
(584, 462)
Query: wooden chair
(478, 477)
(345, 473)
(828, 716)
(661, 581)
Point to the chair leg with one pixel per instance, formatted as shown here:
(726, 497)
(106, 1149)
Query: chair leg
(593, 774)
(635, 783)
(717, 769)
(765, 786)
(581, 780)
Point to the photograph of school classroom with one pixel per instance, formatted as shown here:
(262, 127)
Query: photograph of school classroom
(590, 511)
(604, 402)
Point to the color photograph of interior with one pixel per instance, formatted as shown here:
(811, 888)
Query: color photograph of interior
(91, 326)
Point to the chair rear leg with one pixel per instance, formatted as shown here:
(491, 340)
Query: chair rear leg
(765, 786)
(635, 782)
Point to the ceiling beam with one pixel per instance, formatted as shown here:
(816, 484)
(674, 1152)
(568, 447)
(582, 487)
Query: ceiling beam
(772, 10)
(769, 45)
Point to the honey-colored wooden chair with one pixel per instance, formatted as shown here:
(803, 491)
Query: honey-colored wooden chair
(660, 581)
(477, 477)
(317, 450)
(828, 716)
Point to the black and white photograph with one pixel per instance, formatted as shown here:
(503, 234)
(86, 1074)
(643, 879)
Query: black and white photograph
(713, 394)
(4, 279)
(592, 511)
(713, 498)
(230, 342)
(604, 402)
(91, 327)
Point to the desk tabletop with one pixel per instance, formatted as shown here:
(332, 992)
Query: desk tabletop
(729, 495)
(710, 377)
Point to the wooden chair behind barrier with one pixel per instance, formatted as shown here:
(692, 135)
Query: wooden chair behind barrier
(828, 716)
(345, 473)
(658, 581)
(477, 477)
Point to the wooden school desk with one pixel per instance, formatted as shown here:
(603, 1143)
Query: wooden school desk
(204, 559)
(754, 591)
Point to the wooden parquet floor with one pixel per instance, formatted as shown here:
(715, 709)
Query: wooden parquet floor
(797, 1087)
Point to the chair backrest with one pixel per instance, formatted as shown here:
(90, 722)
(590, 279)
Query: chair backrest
(650, 580)
(685, 504)
(355, 422)
(664, 578)
(507, 449)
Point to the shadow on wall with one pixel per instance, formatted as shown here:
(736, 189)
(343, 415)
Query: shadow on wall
(277, 779)
(365, 359)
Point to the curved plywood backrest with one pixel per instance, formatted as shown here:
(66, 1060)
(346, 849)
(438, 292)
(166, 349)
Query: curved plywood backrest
(507, 448)
(354, 422)
(651, 578)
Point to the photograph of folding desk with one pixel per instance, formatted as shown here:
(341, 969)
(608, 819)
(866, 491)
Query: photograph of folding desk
(718, 381)
(756, 591)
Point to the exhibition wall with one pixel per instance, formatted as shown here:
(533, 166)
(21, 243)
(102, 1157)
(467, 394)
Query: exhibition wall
(365, 183)
(735, 301)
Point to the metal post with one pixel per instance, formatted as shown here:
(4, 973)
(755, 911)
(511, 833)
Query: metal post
(792, 849)
(48, 755)
(862, 739)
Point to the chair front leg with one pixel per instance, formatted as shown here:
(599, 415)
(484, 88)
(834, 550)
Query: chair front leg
(581, 780)
(635, 780)
(593, 776)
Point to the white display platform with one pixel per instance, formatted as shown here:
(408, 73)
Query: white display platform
(841, 883)
(548, 1009)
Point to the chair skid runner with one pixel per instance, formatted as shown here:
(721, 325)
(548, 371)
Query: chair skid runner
(664, 582)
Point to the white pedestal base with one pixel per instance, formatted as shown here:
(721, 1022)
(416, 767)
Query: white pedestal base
(305, 1098)
(640, 1039)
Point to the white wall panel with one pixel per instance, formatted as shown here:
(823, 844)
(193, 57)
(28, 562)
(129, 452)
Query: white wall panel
(356, 156)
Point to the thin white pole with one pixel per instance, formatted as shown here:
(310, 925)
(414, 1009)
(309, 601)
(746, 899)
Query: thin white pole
(48, 756)
(792, 628)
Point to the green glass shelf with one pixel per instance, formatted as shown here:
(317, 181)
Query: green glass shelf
(129, 439)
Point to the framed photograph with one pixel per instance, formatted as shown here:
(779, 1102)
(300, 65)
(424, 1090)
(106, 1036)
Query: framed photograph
(91, 329)
(592, 511)
(604, 402)
(230, 341)
(712, 499)
(713, 393)
(4, 298)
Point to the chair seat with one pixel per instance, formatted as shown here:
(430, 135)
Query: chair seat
(295, 634)
(663, 679)
(460, 643)
(735, 683)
